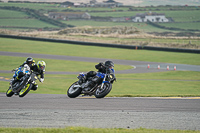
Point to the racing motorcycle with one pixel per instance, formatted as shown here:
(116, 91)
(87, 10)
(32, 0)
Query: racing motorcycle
(25, 82)
(99, 85)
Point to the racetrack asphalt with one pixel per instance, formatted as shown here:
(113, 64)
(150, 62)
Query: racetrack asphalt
(51, 110)
(59, 111)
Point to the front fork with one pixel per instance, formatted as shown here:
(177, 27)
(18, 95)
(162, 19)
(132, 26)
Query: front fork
(103, 81)
(11, 82)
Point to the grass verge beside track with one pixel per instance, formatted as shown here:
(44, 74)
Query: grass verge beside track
(16, 45)
(90, 130)
(9, 63)
(162, 84)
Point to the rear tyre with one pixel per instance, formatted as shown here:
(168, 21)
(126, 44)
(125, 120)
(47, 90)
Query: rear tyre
(74, 91)
(25, 90)
(9, 92)
(101, 93)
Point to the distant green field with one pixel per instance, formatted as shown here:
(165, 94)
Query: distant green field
(35, 6)
(184, 14)
(186, 26)
(29, 23)
(20, 19)
(12, 14)
(177, 16)
(115, 14)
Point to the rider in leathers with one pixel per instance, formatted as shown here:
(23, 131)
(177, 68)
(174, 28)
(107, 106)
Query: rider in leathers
(39, 69)
(103, 68)
(29, 61)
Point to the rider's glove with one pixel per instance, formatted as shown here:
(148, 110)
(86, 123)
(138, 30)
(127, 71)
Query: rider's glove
(42, 80)
(15, 69)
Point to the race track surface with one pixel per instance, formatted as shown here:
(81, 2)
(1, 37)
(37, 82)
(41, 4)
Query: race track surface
(49, 110)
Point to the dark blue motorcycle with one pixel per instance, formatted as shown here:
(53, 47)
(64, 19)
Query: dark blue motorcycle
(99, 85)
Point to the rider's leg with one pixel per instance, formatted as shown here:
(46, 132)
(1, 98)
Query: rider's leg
(35, 86)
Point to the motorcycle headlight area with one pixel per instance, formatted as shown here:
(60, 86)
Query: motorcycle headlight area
(111, 77)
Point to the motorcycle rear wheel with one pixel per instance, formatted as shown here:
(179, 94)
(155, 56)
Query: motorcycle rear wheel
(73, 92)
(25, 90)
(101, 93)
(9, 92)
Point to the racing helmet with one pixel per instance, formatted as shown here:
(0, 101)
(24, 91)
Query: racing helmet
(41, 65)
(30, 60)
(109, 64)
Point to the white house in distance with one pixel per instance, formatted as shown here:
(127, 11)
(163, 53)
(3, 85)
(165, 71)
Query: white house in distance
(151, 16)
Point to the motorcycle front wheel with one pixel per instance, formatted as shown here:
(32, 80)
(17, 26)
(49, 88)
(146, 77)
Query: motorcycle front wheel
(102, 92)
(74, 91)
(9, 92)
(25, 90)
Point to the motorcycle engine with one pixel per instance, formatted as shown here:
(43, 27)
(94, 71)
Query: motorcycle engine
(88, 85)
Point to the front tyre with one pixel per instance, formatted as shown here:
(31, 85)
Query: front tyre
(102, 92)
(74, 90)
(9, 92)
(25, 90)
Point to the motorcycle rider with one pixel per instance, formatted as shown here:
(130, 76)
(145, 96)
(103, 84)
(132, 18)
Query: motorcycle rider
(108, 67)
(39, 69)
(29, 61)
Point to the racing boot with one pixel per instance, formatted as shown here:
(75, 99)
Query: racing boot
(35, 86)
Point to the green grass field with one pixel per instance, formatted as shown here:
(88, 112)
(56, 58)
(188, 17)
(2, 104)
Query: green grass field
(12, 14)
(186, 26)
(163, 84)
(9, 63)
(183, 14)
(177, 16)
(99, 52)
(171, 83)
(11, 18)
(28, 23)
